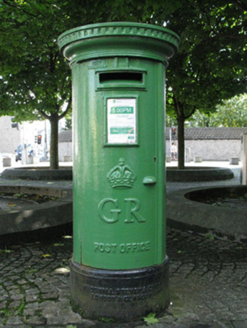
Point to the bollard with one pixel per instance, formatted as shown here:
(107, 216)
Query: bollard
(243, 177)
(119, 268)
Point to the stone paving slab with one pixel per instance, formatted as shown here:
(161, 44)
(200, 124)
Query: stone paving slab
(208, 283)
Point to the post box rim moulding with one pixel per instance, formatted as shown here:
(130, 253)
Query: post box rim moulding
(140, 39)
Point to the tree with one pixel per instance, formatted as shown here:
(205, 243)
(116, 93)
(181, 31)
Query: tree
(209, 66)
(35, 79)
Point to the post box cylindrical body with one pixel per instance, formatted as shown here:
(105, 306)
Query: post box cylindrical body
(119, 267)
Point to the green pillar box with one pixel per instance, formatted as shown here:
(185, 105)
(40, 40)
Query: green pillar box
(119, 267)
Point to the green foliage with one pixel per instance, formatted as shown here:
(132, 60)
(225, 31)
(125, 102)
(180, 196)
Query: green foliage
(171, 119)
(210, 236)
(232, 113)
(34, 78)
(150, 319)
(21, 307)
(6, 251)
(209, 66)
(68, 121)
(199, 119)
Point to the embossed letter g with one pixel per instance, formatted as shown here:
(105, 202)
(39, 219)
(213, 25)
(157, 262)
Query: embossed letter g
(114, 212)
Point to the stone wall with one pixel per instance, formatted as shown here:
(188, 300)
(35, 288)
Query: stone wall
(65, 151)
(212, 150)
(65, 146)
(212, 144)
(217, 150)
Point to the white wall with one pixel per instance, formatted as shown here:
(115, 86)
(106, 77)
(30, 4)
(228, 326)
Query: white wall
(9, 137)
(213, 150)
(209, 150)
(64, 149)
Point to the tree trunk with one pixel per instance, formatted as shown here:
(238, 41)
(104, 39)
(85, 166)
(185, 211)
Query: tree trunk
(181, 142)
(54, 142)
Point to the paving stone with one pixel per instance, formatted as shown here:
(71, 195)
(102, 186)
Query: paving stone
(239, 324)
(8, 283)
(19, 326)
(14, 304)
(22, 282)
(32, 298)
(65, 319)
(14, 321)
(49, 296)
(4, 297)
(16, 297)
(29, 312)
(35, 320)
(49, 308)
(34, 305)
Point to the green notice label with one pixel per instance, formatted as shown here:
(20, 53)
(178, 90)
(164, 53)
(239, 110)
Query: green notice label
(122, 110)
(121, 130)
(121, 121)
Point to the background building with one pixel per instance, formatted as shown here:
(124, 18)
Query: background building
(9, 137)
(27, 134)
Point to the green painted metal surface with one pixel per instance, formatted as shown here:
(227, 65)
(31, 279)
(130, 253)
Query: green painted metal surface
(118, 72)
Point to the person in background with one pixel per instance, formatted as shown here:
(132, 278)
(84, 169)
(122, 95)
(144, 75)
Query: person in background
(174, 151)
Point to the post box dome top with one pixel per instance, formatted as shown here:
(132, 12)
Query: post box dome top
(115, 37)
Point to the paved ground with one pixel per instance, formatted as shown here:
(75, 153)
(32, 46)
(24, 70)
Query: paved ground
(208, 282)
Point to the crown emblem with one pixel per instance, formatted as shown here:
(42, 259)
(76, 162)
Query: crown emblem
(121, 175)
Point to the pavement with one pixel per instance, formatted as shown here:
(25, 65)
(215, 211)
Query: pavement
(208, 279)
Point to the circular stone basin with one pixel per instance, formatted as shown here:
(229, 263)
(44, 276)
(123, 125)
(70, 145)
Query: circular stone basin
(38, 173)
(23, 215)
(221, 209)
(227, 197)
(192, 173)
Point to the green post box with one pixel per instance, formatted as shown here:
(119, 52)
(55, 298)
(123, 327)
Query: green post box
(119, 267)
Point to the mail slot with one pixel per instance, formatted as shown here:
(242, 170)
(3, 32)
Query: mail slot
(125, 79)
(116, 77)
(119, 267)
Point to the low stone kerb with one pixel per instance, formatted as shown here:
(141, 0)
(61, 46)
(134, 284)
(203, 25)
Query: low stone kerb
(230, 221)
(36, 216)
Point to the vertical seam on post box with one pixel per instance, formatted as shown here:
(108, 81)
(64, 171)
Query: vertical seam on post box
(159, 226)
(156, 210)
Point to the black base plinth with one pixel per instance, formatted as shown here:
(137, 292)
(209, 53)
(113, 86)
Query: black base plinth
(122, 295)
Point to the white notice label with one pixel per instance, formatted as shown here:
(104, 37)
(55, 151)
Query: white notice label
(121, 121)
